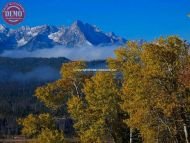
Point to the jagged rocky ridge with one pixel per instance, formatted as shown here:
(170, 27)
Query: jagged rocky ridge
(46, 36)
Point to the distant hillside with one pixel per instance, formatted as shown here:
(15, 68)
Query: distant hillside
(28, 64)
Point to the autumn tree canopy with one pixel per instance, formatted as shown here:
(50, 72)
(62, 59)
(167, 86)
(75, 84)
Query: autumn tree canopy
(146, 100)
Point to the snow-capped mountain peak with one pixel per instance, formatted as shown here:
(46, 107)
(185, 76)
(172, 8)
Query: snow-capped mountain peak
(46, 36)
(3, 29)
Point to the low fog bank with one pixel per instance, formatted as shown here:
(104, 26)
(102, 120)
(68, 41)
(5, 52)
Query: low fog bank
(40, 74)
(78, 53)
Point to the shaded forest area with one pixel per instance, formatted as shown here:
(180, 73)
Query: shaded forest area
(18, 80)
(17, 88)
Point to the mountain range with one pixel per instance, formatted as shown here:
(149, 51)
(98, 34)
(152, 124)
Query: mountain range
(41, 37)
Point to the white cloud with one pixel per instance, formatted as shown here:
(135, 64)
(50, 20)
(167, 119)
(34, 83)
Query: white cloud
(77, 53)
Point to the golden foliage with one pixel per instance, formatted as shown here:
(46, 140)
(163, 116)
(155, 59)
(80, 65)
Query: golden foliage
(153, 95)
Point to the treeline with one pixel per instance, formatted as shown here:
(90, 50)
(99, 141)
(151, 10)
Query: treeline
(146, 100)
(28, 64)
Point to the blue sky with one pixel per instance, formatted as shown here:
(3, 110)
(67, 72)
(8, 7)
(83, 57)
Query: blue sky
(132, 19)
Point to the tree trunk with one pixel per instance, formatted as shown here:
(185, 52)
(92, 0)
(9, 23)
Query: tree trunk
(131, 135)
(186, 133)
(158, 135)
